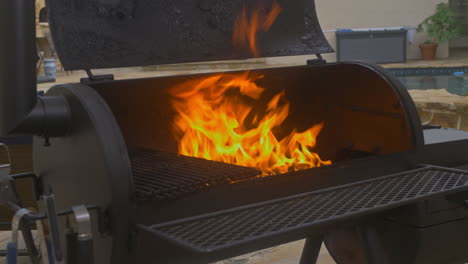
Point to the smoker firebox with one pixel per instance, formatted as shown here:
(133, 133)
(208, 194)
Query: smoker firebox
(109, 143)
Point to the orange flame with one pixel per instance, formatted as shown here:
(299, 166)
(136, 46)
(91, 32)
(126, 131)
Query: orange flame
(218, 119)
(247, 26)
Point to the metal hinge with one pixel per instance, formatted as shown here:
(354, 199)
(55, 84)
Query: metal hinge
(96, 78)
(318, 61)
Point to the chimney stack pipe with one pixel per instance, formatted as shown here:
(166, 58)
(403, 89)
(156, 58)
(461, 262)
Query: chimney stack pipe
(18, 91)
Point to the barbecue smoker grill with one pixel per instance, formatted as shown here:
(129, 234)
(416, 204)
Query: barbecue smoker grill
(389, 196)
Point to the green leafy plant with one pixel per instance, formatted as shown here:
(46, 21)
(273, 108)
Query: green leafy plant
(442, 26)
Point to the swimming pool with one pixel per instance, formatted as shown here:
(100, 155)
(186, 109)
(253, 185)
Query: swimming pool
(453, 84)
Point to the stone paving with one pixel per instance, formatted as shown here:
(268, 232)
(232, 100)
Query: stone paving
(439, 107)
(458, 58)
(285, 254)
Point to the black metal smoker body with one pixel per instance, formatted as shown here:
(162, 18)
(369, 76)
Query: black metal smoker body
(107, 142)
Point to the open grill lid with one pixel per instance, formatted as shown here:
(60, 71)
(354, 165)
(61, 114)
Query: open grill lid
(90, 34)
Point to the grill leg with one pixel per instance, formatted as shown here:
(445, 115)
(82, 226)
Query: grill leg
(311, 250)
(372, 245)
(345, 246)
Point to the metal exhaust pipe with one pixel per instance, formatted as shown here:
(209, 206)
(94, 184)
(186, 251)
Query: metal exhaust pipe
(21, 111)
(17, 63)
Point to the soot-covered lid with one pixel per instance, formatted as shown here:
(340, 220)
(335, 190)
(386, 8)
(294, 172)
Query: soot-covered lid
(90, 34)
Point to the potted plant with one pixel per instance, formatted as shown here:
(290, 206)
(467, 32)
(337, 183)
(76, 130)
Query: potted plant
(441, 27)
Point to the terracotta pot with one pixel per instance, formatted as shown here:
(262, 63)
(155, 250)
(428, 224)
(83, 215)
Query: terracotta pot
(428, 51)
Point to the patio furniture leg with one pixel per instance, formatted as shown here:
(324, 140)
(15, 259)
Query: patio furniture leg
(29, 241)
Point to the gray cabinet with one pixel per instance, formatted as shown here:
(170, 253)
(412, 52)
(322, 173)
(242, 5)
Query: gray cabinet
(383, 46)
(460, 7)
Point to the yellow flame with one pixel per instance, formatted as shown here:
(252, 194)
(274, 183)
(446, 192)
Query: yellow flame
(248, 25)
(216, 120)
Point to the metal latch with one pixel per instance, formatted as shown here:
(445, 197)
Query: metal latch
(318, 61)
(96, 78)
(80, 240)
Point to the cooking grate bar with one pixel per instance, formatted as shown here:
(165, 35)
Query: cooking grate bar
(162, 175)
(295, 217)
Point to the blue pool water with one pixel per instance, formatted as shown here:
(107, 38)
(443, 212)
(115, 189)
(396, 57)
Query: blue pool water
(453, 84)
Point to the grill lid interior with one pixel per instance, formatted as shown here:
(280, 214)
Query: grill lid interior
(90, 34)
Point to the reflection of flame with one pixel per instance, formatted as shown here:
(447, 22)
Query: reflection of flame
(215, 120)
(247, 25)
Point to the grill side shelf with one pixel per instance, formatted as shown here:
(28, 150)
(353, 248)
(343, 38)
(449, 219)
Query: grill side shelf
(296, 217)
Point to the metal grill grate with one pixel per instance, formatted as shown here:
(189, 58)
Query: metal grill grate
(161, 175)
(304, 212)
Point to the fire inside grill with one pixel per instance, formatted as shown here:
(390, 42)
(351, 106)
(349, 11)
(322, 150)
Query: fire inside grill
(218, 119)
(221, 118)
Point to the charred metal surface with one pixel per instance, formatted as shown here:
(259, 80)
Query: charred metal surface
(220, 14)
(92, 34)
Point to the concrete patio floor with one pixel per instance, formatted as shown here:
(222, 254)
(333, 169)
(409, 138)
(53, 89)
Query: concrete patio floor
(457, 58)
(285, 254)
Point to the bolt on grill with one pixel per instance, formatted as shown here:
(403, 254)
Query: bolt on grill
(229, 228)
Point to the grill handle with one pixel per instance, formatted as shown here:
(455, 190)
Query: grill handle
(84, 238)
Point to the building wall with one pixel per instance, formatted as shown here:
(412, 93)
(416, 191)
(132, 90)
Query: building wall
(39, 5)
(334, 14)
